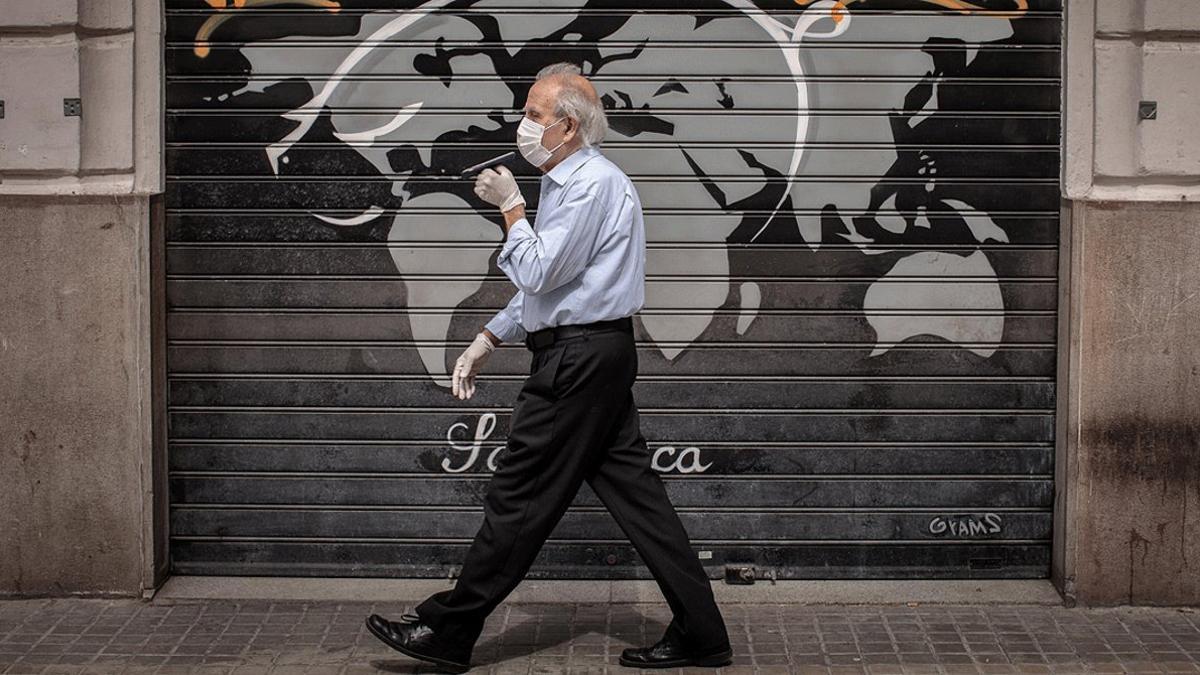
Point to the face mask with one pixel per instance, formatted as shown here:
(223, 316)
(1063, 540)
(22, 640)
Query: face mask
(529, 141)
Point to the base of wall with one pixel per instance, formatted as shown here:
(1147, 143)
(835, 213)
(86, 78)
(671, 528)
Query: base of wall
(869, 592)
(74, 339)
(1129, 461)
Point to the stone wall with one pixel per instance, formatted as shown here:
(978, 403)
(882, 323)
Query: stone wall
(77, 514)
(80, 508)
(1128, 502)
(74, 363)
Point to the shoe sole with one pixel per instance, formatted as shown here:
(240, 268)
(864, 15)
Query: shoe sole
(712, 661)
(452, 666)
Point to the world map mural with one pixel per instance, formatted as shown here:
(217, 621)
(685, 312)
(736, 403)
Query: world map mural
(417, 93)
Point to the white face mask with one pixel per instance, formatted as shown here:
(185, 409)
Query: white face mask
(529, 141)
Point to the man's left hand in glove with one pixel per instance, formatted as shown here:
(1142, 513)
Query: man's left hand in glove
(468, 365)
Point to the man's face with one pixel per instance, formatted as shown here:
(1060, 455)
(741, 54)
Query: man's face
(539, 107)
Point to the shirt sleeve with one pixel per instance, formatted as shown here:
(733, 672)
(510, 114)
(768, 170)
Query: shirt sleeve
(562, 246)
(506, 325)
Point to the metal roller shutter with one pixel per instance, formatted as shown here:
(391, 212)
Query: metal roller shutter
(847, 353)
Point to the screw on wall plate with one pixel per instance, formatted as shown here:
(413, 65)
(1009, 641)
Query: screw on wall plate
(72, 107)
(1148, 110)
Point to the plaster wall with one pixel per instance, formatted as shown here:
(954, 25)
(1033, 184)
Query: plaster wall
(1129, 447)
(78, 510)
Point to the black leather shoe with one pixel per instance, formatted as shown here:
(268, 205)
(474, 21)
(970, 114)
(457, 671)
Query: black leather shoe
(667, 653)
(415, 639)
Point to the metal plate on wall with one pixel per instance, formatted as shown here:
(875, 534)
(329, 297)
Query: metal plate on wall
(847, 352)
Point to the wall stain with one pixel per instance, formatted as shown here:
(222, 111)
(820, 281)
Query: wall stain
(1133, 455)
(1139, 448)
(1136, 540)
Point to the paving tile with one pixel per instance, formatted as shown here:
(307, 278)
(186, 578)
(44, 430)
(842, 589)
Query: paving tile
(103, 637)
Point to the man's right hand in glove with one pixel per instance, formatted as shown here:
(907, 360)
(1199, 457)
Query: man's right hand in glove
(498, 187)
(469, 364)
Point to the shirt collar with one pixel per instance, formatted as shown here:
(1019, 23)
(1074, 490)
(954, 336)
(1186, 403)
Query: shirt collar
(563, 170)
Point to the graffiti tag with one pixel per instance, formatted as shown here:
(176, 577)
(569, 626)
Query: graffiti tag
(966, 526)
(202, 47)
(1020, 7)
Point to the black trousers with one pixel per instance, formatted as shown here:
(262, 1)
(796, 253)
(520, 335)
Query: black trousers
(575, 421)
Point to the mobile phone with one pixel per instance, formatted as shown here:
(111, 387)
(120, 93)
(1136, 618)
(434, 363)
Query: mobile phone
(483, 165)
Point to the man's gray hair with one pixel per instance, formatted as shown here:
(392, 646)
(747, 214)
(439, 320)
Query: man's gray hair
(575, 101)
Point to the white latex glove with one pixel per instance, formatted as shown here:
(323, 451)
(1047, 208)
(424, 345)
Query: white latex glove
(469, 364)
(499, 188)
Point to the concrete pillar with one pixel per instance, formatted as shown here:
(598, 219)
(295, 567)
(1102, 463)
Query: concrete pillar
(1128, 503)
(79, 508)
(74, 362)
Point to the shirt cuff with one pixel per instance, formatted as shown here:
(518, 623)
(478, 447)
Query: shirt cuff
(503, 327)
(519, 231)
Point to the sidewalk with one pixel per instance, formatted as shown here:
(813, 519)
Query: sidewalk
(326, 637)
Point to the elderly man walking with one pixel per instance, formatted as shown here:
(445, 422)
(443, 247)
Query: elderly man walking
(580, 277)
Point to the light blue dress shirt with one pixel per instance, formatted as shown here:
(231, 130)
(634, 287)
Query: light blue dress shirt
(586, 259)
